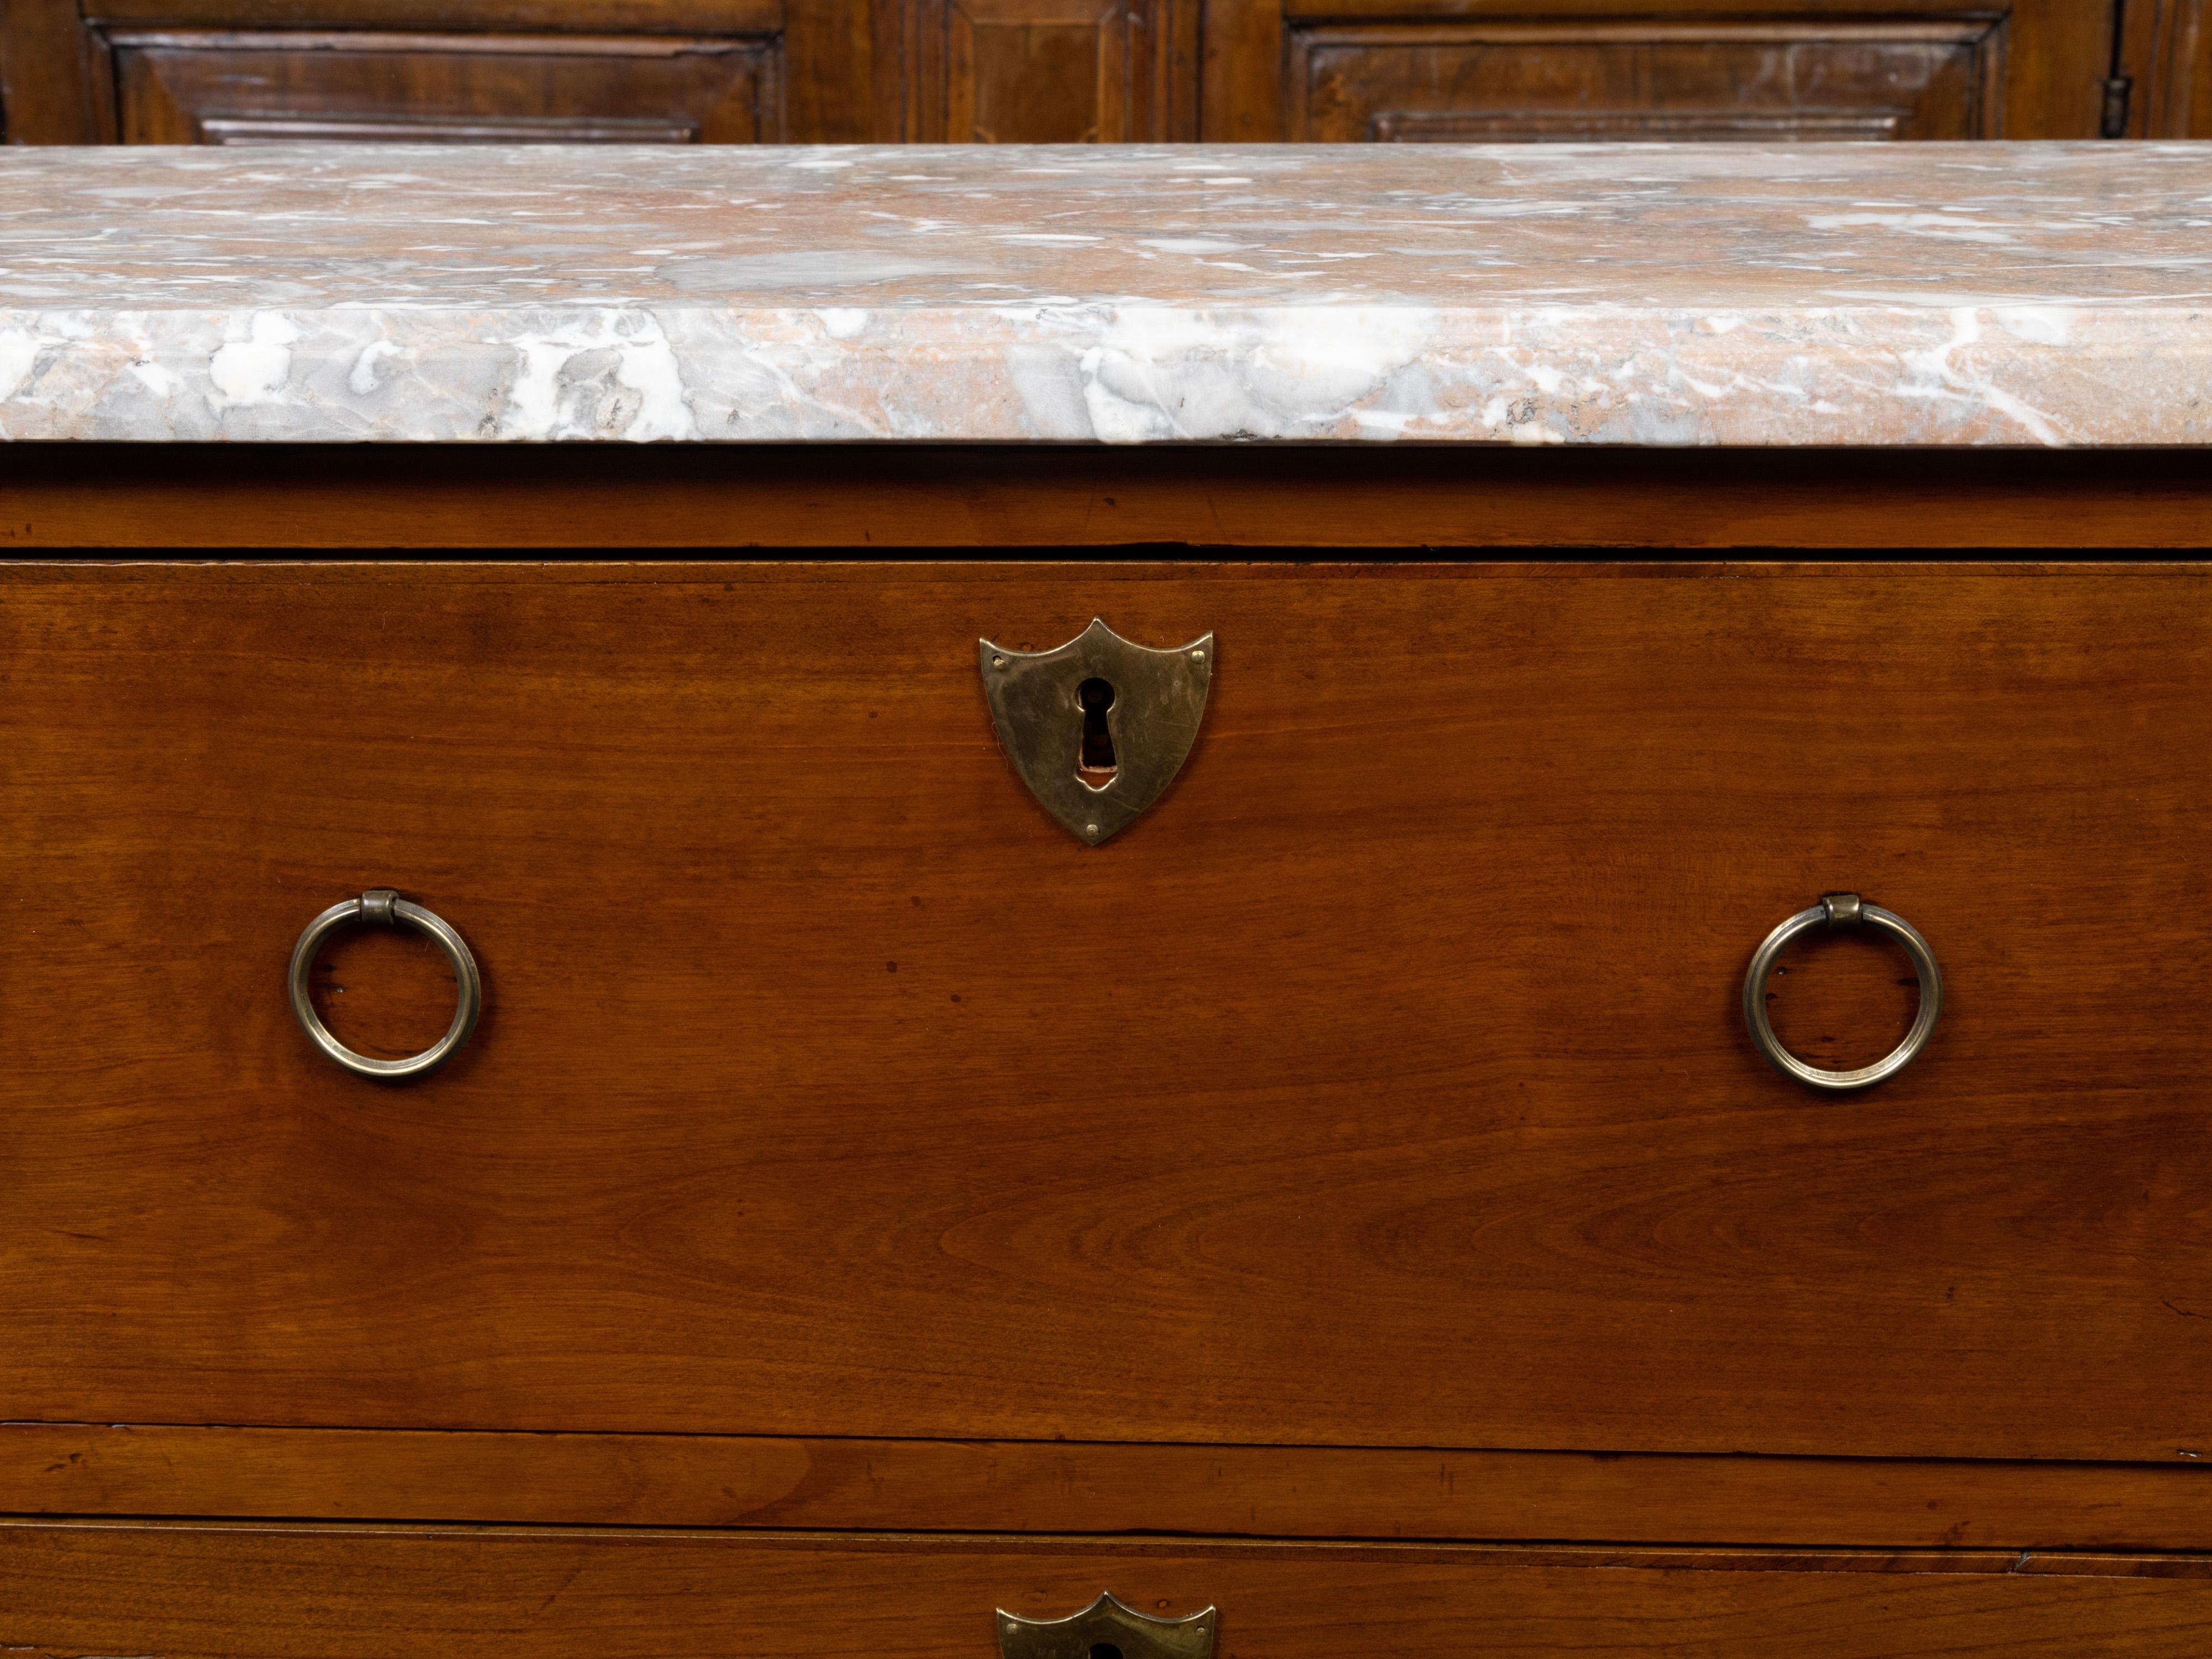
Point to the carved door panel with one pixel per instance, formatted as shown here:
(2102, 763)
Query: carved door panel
(81, 71)
(1481, 82)
(1785, 71)
(1049, 72)
(179, 87)
(238, 71)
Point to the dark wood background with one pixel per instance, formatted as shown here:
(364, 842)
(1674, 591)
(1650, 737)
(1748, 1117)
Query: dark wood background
(241, 71)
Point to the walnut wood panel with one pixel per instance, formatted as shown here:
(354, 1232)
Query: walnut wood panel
(181, 87)
(55, 84)
(843, 71)
(1383, 1086)
(1275, 68)
(837, 63)
(1017, 1487)
(946, 69)
(203, 1592)
(1051, 72)
(859, 495)
(2167, 54)
(1485, 80)
(465, 17)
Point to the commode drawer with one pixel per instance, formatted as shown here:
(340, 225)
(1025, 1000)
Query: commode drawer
(1386, 1082)
(321, 1592)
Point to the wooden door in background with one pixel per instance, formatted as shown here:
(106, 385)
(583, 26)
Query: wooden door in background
(1485, 80)
(1787, 70)
(968, 71)
(2163, 62)
(1049, 72)
(231, 71)
(183, 87)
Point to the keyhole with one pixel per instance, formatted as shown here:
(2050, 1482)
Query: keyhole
(1095, 765)
(1104, 1650)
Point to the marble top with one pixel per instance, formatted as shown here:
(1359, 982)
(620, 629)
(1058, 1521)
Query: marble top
(2052, 293)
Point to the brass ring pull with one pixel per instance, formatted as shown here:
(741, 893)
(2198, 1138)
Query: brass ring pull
(381, 907)
(1842, 910)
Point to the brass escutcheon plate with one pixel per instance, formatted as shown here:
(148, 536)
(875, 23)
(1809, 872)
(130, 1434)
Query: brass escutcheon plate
(1151, 703)
(1107, 1629)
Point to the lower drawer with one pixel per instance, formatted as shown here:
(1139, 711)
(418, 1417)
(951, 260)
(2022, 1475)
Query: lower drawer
(362, 1591)
(319, 1592)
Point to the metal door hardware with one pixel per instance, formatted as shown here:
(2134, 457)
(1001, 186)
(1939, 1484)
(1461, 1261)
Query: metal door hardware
(1097, 727)
(1842, 910)
(380, 907)
(1107, 1629)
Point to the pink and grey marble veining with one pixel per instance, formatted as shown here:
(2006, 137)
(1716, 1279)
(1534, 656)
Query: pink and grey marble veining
(1867, 294)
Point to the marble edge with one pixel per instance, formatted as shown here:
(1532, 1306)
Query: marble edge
(1867, 375)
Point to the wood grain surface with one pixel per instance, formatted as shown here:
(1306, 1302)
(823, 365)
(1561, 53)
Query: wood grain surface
(1473, 80)
(900, 496)
(206, 1592)
(275, 86)
(1065, 1486)
(2033, 84)
(1384, 1086)
(888, 71)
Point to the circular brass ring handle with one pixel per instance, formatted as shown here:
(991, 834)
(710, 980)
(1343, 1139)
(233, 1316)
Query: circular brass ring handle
(381, 907)
(1842, 910)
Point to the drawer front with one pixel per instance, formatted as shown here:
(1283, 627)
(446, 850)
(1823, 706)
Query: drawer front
(307, 1592)
(1384, 1085)
(187, 87)
(1522, 82)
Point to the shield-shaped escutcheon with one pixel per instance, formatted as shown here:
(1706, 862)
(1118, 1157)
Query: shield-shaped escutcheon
(1108, 1628)
(1099, 727)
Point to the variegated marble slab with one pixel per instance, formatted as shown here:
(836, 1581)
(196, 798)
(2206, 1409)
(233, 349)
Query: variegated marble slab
(1864, 295)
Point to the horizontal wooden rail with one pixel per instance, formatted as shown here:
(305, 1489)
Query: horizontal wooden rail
(887, 496)
(255, 1590)
(1062, 1488)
